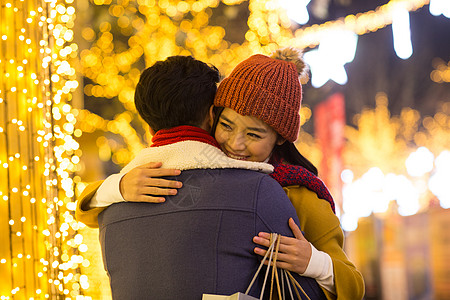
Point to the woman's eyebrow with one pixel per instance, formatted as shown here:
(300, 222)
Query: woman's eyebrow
(257, 129)
(226, 119)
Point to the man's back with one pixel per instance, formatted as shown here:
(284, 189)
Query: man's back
(199, 241)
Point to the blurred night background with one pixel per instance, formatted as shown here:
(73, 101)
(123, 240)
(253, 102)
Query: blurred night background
(375, 121)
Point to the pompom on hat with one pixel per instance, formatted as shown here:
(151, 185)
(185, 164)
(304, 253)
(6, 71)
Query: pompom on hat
(267, 88)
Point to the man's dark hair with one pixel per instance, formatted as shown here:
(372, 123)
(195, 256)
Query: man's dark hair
(177, 91)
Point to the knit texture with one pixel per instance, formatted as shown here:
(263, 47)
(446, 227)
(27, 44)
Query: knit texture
(182, 133)
(265, 88)
(287, 175)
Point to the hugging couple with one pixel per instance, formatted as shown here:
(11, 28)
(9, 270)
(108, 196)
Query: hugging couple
(192, 213)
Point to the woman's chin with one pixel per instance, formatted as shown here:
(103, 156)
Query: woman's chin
(237, 157)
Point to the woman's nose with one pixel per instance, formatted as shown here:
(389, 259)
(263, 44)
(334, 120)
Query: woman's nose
(237, 142)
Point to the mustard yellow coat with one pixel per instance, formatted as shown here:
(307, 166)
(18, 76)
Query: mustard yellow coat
(88, 216)
(321, 228)
(320, 225)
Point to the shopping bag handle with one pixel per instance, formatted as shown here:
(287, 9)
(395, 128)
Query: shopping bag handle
(272, 255)
(269, 252)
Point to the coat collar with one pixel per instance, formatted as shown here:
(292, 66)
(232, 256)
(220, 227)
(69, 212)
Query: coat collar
(191, 154)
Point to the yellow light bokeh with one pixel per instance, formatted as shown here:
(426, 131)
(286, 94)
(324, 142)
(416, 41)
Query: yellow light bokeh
(167, 28)
(37, 150)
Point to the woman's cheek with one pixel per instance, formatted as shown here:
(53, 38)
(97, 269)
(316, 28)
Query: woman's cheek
(220, 137)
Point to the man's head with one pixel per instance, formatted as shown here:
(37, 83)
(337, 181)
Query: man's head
(177, 91)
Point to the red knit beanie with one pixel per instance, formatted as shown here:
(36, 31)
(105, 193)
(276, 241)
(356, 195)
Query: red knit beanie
(267, 88)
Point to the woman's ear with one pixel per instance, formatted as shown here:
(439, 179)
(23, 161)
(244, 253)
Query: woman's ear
(211, 116)
(280, 140)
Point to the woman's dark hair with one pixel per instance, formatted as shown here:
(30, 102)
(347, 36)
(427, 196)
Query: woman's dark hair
(289, 153)
(286, 152)
(177, 91)
(217, 110)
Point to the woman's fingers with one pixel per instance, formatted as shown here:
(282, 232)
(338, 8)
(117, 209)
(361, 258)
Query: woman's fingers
(142, 184)
(284, 239)
(156, 191)
(296, 230)
(145, 175)
(287, 245)
(281, 256)
(293, 254)
(166, 183)
(289, 261)
(283, 260)
(151, 165)
(148, 172)
(150, 199)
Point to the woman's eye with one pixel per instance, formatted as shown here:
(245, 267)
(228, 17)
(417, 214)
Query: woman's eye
(254, 135)
(225, 125)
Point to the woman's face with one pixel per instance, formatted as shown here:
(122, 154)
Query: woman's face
(245, 137)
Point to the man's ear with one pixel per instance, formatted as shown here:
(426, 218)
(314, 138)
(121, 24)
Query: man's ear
(211, 116)
(280, 140)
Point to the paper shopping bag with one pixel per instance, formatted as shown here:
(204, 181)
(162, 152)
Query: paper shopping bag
(236, 296)
(286, 277)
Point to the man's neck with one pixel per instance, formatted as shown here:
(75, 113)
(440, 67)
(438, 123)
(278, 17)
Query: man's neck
(182, 133)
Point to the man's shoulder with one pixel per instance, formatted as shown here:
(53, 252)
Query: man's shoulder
(266, 192)
(228, 172)
(212, 188)
(230, 175)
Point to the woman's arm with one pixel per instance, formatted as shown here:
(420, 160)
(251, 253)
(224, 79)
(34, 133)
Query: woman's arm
(83, 212)
(324, 259)
(141, 184)
(322, 228)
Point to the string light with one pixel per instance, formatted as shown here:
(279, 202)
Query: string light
(327, 61)
(37, 149)
(403, 173)
(438, 7)
(361, 23)
(297, 10)
(402, 33)
(441, 72)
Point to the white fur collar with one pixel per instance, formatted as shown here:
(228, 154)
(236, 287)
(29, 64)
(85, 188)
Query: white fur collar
(188, 155)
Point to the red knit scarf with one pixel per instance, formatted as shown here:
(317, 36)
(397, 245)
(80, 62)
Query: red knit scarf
(284, 174)
(287, 175)
(182, 133)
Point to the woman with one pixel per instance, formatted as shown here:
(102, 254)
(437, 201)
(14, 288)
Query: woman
(256, 119)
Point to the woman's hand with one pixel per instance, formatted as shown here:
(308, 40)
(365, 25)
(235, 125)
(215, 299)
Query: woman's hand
(140, 184)
(294, 253)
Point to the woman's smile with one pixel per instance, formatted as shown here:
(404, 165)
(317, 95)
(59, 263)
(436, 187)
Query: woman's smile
(245, 137)
(235, 156)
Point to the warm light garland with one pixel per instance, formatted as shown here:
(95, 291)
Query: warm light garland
(404, 133)
(137, 33)
(380, 174)
(40, 253)
(361, 23)
(441, 73)
(176, 27)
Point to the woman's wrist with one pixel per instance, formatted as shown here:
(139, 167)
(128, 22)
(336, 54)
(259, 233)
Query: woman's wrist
(320, 267)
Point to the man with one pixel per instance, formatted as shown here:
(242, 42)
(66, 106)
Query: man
(200, 240)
